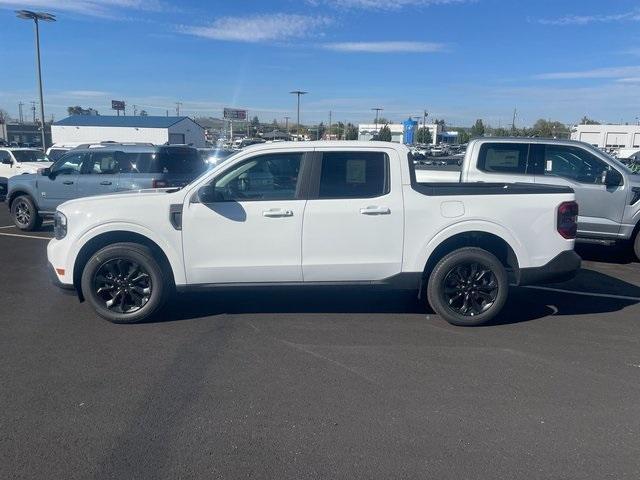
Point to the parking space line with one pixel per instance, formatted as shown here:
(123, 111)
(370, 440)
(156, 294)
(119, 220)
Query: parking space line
(584, 294)
(24, 236)
(8, 226)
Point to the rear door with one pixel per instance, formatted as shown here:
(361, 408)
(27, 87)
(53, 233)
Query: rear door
(100, 173)
(353, 222)
(601, 207)
(62, 184)
(500, 162)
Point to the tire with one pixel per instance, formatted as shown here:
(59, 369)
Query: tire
(636, 245)
(465, 298)
(115, 282)
(25, 214)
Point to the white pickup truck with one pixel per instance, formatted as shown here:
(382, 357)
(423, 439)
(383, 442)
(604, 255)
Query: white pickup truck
(315, 213)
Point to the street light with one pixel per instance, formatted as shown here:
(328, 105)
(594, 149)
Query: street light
(377, 110)
(298, 93)
(45, 17)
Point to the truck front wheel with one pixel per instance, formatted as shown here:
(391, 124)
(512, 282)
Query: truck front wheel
(25, 214)
(468, 287)
(636, 245)
(124, 283)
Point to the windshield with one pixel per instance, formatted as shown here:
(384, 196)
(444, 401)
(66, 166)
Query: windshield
(617, 162)
(29, 156)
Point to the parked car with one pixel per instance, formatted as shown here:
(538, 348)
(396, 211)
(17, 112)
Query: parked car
(342, 213)
(607, 191)
(95, 169)
(55, 151)
(19, 161)
(214, 156)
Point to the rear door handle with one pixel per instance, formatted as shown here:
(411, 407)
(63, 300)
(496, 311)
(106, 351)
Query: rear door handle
(375, 210)
(277, 212)
(106, 182)
(68, 182)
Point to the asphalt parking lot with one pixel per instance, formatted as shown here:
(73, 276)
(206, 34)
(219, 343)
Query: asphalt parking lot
(330, 383)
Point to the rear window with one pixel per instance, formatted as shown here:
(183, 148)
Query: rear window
(179, 161)
(504, 158)
(354, 175)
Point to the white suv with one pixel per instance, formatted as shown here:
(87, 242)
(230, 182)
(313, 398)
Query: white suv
(17, 161)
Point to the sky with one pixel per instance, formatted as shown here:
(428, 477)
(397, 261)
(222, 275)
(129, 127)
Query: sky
(458, 59)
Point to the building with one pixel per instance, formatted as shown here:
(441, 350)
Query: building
(24, 134)
(608, 136)
(399, 131)
(144, 129)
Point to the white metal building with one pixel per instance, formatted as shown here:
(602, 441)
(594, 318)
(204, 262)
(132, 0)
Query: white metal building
(608, 136)
(100, 128)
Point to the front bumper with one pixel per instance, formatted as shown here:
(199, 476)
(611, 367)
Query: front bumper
(53, 276)
(562, 268)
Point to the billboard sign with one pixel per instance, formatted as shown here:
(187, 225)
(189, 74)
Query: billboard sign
(235, 114)
(117, 105)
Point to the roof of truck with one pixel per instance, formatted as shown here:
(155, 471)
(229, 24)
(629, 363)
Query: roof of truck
(325, 144)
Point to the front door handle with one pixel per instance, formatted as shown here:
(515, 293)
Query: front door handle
(68, 182)
(277, 213)
(106, 182)
(375, 210)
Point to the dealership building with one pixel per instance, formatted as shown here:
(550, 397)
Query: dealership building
(405, 132)
(608, 136)
(142, 129)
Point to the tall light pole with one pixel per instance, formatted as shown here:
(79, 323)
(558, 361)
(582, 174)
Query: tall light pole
(286, 124)
(298, 93)
(377, 110)
(36, 17)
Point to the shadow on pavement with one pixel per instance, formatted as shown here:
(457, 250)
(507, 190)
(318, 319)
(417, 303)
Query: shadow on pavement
(524, 304)
(620, 253)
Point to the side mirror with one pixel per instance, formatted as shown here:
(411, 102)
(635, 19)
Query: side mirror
(45, 172)
(611, 178)
(206, 194)
(7, 161)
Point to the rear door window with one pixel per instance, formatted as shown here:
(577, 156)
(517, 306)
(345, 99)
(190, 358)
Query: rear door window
(178, 161)
(108, 163)
(510, 158)
(354, 175)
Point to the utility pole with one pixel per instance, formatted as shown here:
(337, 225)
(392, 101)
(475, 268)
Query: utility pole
(20, 116)
(298, 93)
(178, 104)
(377, 110)
(167, 112)
(329, 137)
(135, 110)
(286, 123)
(33, 111)
(46, 17)
(513, 122)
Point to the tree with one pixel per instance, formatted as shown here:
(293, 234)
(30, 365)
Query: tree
(439, 122)
(4, 116)
(478, 129)
(78, 110)
(255, 121)
(588, 121)
(143, 113)
(549, 129)
(423, 135)
(320, 131)
(351, 132)
(384, 135)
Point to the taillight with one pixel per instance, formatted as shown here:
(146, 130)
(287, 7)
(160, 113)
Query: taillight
(160, 184)
(568, 220)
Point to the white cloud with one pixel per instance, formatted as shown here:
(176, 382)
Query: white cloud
(384, 47)
(259, 28)
(633, 16)
(86, 93)
(629, 80)
(611, 72)
(384, 4)
(93, 8)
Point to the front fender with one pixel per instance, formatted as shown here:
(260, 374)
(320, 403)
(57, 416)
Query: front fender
(172, 247)
(467, 226)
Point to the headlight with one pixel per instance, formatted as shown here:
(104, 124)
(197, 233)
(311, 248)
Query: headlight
(59, 225)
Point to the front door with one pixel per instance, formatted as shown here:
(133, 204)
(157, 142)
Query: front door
(248, 228)
(354, 219)
(100, 173)
(62, 184)
(601, 208)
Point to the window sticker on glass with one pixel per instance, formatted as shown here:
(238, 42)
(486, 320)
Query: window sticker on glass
(356, 171)
(549, 165)
(503, 158)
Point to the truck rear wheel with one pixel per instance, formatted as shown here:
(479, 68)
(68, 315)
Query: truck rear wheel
(25, 214)
(468, 287)
(636, 245)
(124, 283)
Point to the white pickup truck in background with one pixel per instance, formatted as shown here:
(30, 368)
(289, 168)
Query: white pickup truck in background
(316, 213)
(607, 191)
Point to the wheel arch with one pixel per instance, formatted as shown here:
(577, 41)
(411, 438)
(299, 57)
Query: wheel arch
(490, 242)
(116, 236)
(17, 193)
